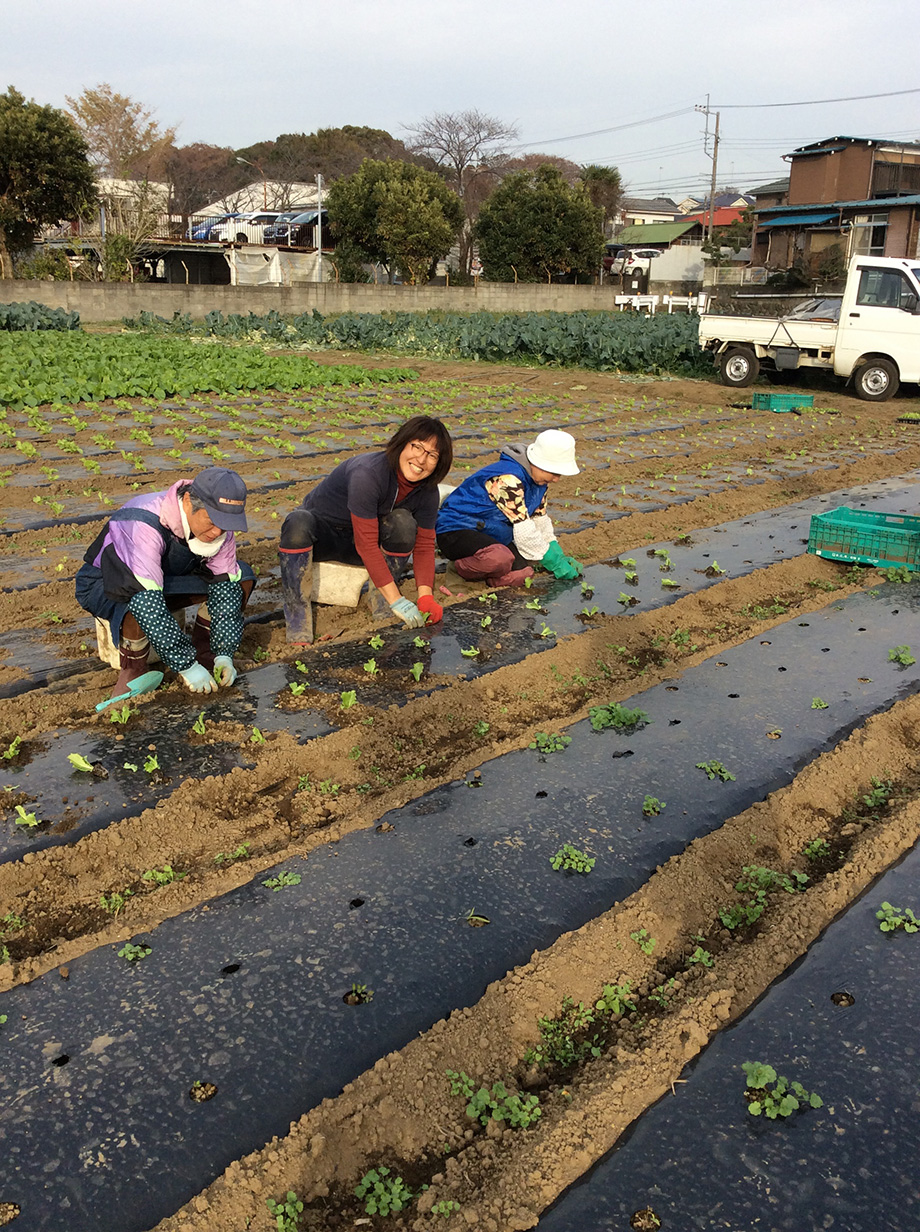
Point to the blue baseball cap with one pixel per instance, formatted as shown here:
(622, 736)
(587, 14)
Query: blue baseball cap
(223, 494)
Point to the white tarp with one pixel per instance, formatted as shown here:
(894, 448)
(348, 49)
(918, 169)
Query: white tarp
(257, 266)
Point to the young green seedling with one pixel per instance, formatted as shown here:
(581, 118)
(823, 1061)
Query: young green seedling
(642, 939)
(256, 737)
(588, 613)
(287, 1213)
(415, 671)
(702, 957)
(471, 653)
(80, 763)
(668, 584)
(817, 849)
(301, 667)
(818, 704)
(296, 689)
(382, 1193)
(549, 742)
(546, 631)
(28, 820)
(652, 806)
(587, 592)
(115, 902)
(715, 770)
(893, 918)
(229, 857)
(163, 876)
(347, 699)
(13, 749)
(134, 953)
(419, 643)
(534, 605)
(120, 716)
(376, 642)
(570, 859)
(771, 1096)
(371, 668)
(198, 725)
(902, 656)
(151, 763)
(485, 622)
(489, 597)
(283, 879)
(620, 718)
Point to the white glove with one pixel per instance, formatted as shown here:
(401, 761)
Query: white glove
(199, 679)
(224, 672)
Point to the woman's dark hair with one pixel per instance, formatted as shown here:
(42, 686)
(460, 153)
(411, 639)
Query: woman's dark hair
(422, 428)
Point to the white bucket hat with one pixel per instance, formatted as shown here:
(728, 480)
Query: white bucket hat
(554, 451)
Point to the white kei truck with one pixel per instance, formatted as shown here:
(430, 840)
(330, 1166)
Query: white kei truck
(870, 337)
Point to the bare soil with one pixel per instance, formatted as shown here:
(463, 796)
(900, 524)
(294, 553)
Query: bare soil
(400, 1112)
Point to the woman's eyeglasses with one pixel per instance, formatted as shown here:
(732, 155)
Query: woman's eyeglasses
(420, 451)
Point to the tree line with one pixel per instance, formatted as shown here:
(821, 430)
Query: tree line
(455, 183)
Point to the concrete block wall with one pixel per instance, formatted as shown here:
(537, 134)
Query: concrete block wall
(99, 301)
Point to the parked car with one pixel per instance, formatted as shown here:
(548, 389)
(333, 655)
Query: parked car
(629, 260)
(295, 231)
(245, 228)
(202, 228)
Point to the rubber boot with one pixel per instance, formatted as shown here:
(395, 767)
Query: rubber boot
(296, 593)
(132, 662)
(201, 638)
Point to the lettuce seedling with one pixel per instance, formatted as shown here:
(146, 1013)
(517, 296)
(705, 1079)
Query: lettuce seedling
(80, 763)
(29, 820)
(415, 671)
(347, 699)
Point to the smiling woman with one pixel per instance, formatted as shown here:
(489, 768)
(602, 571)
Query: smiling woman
(377, 509)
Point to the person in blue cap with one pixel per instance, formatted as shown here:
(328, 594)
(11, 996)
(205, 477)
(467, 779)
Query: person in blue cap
(163, 552)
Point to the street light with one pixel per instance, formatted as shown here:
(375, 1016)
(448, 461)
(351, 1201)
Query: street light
(258, 168)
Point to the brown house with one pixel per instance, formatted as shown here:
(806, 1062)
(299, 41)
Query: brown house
(846, 196)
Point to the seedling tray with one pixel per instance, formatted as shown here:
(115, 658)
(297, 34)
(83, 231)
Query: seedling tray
(782, 402)
(866, 538)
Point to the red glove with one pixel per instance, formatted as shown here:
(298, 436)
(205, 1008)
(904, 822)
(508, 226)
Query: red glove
(429, 604)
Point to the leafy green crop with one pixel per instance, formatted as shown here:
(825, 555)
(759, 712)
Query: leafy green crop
(37, 368)
(30, 317)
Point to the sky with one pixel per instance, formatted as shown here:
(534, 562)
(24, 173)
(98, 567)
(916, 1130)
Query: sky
(594, 81)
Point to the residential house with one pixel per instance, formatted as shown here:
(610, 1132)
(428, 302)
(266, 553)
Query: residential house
(643, 211)
(846, 196)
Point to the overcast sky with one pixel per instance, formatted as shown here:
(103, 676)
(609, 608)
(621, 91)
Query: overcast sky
(598, 81)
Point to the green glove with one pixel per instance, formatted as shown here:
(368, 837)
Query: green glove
(574, 564)
(557, 563)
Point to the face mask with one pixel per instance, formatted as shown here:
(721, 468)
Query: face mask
(198, 546)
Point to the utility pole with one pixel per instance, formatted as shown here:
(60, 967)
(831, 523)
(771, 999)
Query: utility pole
(715, 160)
(319, 225)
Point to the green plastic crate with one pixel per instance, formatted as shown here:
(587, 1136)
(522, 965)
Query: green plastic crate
(866, 538)
(782, 402)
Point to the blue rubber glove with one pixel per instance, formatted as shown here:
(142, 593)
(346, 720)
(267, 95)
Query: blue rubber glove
(199, 679)
(408, 613)
(224, 664)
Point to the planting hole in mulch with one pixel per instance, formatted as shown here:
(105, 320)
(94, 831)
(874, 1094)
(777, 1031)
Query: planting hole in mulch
(355, 903)
(61, 1060)
(845, 999)
(358, 994)
(201, 1092)
(645, 1220)
(230, 969)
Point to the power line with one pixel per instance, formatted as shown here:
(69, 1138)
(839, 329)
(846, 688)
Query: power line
(811, 102)
(601, 132)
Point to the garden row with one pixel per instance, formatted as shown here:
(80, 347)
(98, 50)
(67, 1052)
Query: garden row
(603, 341)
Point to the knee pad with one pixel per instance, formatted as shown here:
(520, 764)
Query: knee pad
(298, 530)
(398, 530)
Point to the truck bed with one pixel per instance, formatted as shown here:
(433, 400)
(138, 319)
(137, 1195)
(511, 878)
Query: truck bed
(767, 331)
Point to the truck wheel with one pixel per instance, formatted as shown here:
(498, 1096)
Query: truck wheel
(739, 367)
(877, 380)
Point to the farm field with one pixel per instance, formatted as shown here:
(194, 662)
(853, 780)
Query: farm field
(362, 893)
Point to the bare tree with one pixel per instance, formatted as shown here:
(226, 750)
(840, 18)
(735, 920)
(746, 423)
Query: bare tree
(124, 139)
(464, 145)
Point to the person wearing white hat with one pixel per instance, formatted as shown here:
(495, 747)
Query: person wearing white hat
(495, 527)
